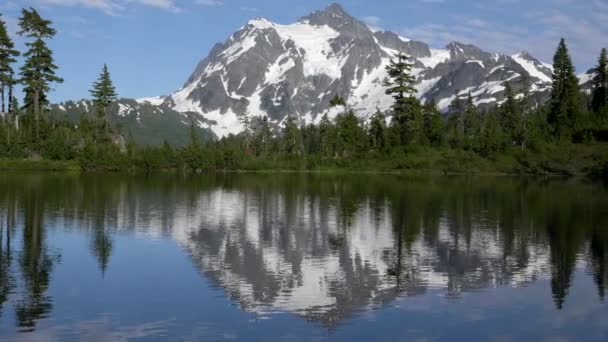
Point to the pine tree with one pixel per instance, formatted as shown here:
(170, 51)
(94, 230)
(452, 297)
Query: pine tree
(337, 101)
(433, 124)
(564, 114)
(327, 136)
(456, 131)
(377, 131)
(8, 56)
(292, 139)
(600, 84)
(510, 116)
(472, 124)
(38, 71)
(104, 93)
(407, 115)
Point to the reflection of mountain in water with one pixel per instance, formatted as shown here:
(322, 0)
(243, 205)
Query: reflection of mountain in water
(326, 247)
(299, 253)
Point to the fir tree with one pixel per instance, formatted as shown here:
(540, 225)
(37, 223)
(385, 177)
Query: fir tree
(377, 131)
(564, 114)
(407, 116)
(104, 93)
(433, 123)
(292, 139)
(337, 101)
(510, 116)
(471, 123)
(600, 84)
(456, 129)
(38, 71)
(8, 56)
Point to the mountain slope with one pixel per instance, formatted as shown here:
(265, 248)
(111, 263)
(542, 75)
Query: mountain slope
(268, 69)
(275, 70)
(147, 120)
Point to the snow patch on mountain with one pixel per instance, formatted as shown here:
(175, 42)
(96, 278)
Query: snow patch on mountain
(154, 100)
(438, 56)
(531, 68)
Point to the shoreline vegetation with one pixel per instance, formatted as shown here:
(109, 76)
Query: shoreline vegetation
(570, 160)
(565, 134)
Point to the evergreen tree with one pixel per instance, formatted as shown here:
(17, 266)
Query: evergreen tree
(351, 136)
(407, 114)
(433, 123)
(8, 56)
(38, 71)
(104, 93)
(377, 131)
(291, 137)
(327, 136)
(472, 124)
(600, 84)
(456, 129)
(492, 134)
(564, 114)
(337, 101)
(510, 116)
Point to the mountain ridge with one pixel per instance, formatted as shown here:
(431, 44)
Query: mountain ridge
(266, 69)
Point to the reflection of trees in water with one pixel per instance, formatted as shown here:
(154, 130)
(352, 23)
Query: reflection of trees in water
(36, 266)
(7, 281)
(369, 239)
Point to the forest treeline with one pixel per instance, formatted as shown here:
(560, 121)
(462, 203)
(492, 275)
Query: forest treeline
(566, 134)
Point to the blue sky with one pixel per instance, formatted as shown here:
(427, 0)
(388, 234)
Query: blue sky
(152, 46)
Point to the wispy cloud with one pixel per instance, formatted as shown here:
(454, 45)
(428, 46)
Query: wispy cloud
(112, 7)
(372, 20)
(210, 2)
(538, 31)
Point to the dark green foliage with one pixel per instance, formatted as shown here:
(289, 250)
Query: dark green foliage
(104, 93)
(565, 113)
(38, 71)
(433, 124)
(352, 137)
(600, 86)
(8, 55)
(337, 101)
(407, 123)
(291, 137)
(377, 132)
(517, 137)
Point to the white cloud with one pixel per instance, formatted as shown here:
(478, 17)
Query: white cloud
(372, 20)
(210, 2)
(112, 6)
(538, 32)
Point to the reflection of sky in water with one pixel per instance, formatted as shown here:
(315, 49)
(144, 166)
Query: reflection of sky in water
(300, 265)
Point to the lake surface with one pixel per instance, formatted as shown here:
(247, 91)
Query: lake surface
(300, 257)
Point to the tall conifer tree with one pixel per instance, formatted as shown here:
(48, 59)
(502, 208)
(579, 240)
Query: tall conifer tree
(564, 114)
(407, 114)
(104, 93)
(8, 56)
(600, 84)
(38, 71)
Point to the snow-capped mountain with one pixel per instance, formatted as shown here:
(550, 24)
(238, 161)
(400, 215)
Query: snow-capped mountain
(274, 70)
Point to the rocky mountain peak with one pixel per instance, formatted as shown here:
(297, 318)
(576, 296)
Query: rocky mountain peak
(338, 19)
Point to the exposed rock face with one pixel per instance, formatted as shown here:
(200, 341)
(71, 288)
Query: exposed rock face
(268, 69)
(274, 70)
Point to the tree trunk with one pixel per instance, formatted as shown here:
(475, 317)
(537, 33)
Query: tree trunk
(107, 117)
(10, 98)
(2, 87)
(36, 109)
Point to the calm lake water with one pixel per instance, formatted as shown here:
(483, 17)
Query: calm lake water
(300, 257)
